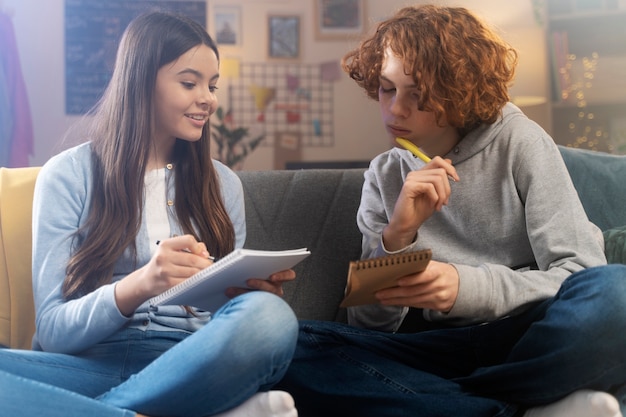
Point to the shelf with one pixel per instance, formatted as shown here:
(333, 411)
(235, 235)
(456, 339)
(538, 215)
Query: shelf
(604, 33)
(583, 28)
(564, 8)
(608, 85)
(601, 124)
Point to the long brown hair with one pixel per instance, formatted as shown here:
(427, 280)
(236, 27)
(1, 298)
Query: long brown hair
(121, 135)
(462, 67)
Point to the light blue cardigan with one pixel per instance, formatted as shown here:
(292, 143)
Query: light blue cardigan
(61, 204)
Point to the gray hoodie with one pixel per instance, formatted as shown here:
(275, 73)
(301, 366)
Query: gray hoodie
(514, 205)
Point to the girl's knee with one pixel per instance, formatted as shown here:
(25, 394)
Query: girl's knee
(268, 319)
(270, 308)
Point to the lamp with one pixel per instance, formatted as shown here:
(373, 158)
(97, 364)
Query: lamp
(530, 87)
(230, 70)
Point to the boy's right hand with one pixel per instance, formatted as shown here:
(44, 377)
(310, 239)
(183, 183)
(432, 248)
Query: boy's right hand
(424, 191)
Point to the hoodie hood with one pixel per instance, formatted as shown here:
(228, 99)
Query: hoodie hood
(481, 137)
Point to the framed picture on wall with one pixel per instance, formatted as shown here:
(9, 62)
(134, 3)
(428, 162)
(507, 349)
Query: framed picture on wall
(339, 19)
(227, 24)
(284, 37)
(287, 149)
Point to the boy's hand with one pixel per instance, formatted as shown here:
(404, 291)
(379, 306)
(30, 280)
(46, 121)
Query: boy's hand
(424, 191)
(436, 288)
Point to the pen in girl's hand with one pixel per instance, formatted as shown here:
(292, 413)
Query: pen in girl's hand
(212, 258)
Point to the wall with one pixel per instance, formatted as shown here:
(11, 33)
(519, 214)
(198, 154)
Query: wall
(358, 131)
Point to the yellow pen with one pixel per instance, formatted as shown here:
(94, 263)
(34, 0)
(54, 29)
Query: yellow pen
(410, 146)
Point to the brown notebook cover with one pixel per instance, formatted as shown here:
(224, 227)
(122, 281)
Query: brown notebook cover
(367, 276)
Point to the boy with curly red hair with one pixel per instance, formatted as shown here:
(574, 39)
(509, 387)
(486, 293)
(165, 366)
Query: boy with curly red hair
(518, 313)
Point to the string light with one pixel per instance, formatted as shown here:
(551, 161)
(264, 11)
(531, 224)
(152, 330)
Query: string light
(582, 129)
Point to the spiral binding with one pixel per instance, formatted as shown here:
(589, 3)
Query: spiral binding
(389, 260)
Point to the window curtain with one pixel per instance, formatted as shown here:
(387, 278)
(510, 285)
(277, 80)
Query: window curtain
(16, 130)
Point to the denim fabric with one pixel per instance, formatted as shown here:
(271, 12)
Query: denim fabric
(244, 349)
(572, 341)
(24, 397)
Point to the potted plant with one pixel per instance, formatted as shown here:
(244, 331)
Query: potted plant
(233, 144)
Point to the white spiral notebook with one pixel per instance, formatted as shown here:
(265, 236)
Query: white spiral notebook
(205, 289)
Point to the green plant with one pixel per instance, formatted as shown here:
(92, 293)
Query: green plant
(233, 144)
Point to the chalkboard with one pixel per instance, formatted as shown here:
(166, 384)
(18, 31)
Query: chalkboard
(93, 29)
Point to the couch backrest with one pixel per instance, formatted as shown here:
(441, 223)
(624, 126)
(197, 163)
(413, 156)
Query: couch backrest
(314, 209)
(600, 180)
(17, 317)
(285, 209)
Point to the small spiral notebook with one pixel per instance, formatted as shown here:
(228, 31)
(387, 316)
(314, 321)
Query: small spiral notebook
(367, 276)
(205, 289)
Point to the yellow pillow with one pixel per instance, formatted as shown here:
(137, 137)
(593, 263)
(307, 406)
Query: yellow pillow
(17, 314)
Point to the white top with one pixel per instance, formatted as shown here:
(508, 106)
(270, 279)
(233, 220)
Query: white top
(156, 207)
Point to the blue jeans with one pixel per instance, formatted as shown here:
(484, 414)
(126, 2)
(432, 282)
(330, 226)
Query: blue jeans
(25, 397)
(574, 340)
(245, 348)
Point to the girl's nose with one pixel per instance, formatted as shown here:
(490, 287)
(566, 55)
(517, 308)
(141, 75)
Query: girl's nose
(207, 99)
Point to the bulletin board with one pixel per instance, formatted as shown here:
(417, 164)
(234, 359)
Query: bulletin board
(93, 29)
(278, 98)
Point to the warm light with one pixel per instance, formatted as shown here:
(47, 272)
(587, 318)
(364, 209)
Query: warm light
(528, 101)
(531, 74)
(229, 68)
(530, 89)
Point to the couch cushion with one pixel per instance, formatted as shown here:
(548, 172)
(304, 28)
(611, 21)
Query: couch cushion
(600, 180)
(314, 209)
(615, 245)
(17, 317)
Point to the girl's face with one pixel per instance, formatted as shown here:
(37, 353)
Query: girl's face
(398, 97)
(185, 95)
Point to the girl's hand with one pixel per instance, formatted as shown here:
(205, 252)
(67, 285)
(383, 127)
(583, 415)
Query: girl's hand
(424, 191)
(273, 284)
(436, 288)
(175, 260)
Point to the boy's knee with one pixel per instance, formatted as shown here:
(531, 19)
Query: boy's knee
(604, 286)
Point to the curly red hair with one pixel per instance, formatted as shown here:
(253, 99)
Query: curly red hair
(462, 67)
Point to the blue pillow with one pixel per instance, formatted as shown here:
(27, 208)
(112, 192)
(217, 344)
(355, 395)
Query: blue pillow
(615, 245)
(599, 181)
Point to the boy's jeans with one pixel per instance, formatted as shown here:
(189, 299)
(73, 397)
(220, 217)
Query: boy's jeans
(574, 340)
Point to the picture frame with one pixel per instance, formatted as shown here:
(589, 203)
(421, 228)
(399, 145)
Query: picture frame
(283, 36)
(339, 19)
(287, 148)
(227, 24)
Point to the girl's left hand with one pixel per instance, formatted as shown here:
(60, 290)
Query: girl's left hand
(273, 284)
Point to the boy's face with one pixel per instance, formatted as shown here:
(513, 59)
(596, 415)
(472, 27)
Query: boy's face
(398, 97)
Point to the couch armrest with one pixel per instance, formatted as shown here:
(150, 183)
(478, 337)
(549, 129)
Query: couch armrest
(17, 313)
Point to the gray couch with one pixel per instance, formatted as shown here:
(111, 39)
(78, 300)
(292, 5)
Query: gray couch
(316, 208)
(313, 208)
